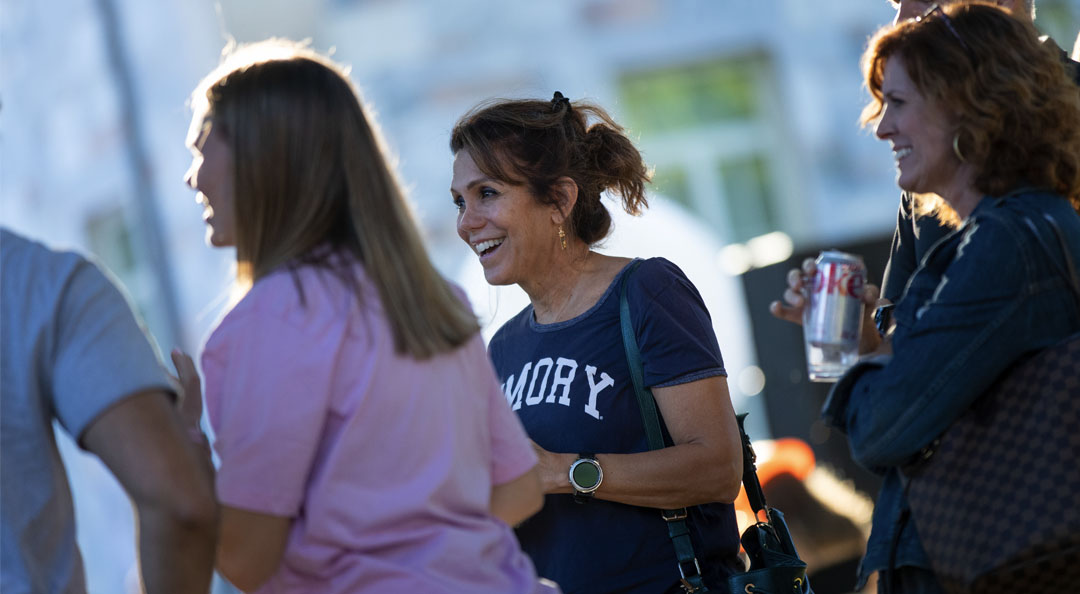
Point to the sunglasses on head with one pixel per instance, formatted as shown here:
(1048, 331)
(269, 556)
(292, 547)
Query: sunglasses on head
(936, 8)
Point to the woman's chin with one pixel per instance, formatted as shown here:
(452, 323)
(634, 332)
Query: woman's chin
(909, 185)
(218, 240)
(495, 278)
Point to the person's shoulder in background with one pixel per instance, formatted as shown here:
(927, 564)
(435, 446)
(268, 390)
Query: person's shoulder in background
(29, 263)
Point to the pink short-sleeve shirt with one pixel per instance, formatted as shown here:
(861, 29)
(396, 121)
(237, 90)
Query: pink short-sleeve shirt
(385, 464)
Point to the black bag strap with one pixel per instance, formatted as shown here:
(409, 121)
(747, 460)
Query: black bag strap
(646, 402)
(689, 568)
(1069, 273)
(754, 494)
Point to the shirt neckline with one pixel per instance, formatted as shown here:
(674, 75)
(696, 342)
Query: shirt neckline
(538, 327)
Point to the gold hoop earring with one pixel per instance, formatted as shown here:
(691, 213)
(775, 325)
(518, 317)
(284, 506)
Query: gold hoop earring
(956, 148)
(562, 237)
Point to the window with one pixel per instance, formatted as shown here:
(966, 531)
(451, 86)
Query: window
(685, 97)
(670, 181)
(707, 130)
(111, 242)
(1060, 19)
(749, 196)
(110, 239)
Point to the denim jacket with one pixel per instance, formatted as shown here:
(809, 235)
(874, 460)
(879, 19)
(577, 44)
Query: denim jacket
(915, 234)
(984, 295)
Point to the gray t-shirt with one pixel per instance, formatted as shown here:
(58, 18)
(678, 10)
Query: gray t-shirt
(69, 349)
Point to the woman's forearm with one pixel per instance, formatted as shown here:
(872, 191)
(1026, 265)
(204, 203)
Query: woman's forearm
(678, 476)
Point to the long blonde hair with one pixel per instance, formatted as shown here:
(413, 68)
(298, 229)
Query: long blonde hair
(310, 170)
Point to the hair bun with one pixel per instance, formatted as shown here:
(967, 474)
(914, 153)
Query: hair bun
(558, 100)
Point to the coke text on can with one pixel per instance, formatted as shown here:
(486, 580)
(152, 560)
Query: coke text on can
(834, 315)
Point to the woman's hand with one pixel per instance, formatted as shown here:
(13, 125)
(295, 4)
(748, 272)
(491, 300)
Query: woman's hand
(795, 293)
(554, 470)
(190, 405)
(884, 347)
(869, 339)
(703, 466)
(799, 281)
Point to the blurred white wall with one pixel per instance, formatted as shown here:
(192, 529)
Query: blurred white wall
(787, 156)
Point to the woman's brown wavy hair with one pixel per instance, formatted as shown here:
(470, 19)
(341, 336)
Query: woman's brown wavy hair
(534, 143)
(1010, 99)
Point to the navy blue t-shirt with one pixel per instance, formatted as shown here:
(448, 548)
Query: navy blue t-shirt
(571, 387)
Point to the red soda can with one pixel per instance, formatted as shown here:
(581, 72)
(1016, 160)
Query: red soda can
(832, 320)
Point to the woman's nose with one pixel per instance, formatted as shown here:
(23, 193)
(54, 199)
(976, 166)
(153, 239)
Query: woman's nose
(884, 128)
(467, 219)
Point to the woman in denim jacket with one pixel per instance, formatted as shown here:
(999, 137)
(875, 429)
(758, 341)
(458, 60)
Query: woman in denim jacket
(980, 113)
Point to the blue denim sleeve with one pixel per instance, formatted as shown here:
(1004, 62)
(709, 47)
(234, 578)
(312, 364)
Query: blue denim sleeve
(962, 321)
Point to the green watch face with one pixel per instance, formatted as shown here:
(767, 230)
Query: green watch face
(586, 475)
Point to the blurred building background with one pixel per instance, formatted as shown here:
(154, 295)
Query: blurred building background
(747, 109)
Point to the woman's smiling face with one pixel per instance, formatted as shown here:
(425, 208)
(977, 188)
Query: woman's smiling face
(514, 235)
(919, 132)
(211, 176)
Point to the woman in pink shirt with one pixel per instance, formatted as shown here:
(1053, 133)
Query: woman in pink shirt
(364, 443)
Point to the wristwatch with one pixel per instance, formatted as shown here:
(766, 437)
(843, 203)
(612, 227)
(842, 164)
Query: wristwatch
(883, 319)
(585, 477)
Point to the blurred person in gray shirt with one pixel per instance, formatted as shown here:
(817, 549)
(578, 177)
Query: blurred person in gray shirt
(71, 350)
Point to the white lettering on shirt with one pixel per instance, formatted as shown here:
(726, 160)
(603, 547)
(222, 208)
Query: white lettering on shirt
(513, 393)
(546, 363)
(595, 388)
(562, 381)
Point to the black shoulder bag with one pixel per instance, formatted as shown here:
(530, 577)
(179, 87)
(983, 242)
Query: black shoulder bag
(775, 567)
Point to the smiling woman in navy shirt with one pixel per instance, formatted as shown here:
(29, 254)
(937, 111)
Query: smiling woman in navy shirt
(528, 175)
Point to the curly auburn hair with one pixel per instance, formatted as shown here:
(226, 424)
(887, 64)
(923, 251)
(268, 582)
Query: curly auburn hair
(534, 143)
(1014, 107)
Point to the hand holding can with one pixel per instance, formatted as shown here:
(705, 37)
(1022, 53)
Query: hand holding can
(793, 305)
(833, 317)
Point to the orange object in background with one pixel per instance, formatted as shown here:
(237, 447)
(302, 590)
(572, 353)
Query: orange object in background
(828, 519)
(775, 456)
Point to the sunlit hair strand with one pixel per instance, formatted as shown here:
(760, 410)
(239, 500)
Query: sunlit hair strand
(311, 171)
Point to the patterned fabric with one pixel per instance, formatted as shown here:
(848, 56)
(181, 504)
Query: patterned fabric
(997, 505)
